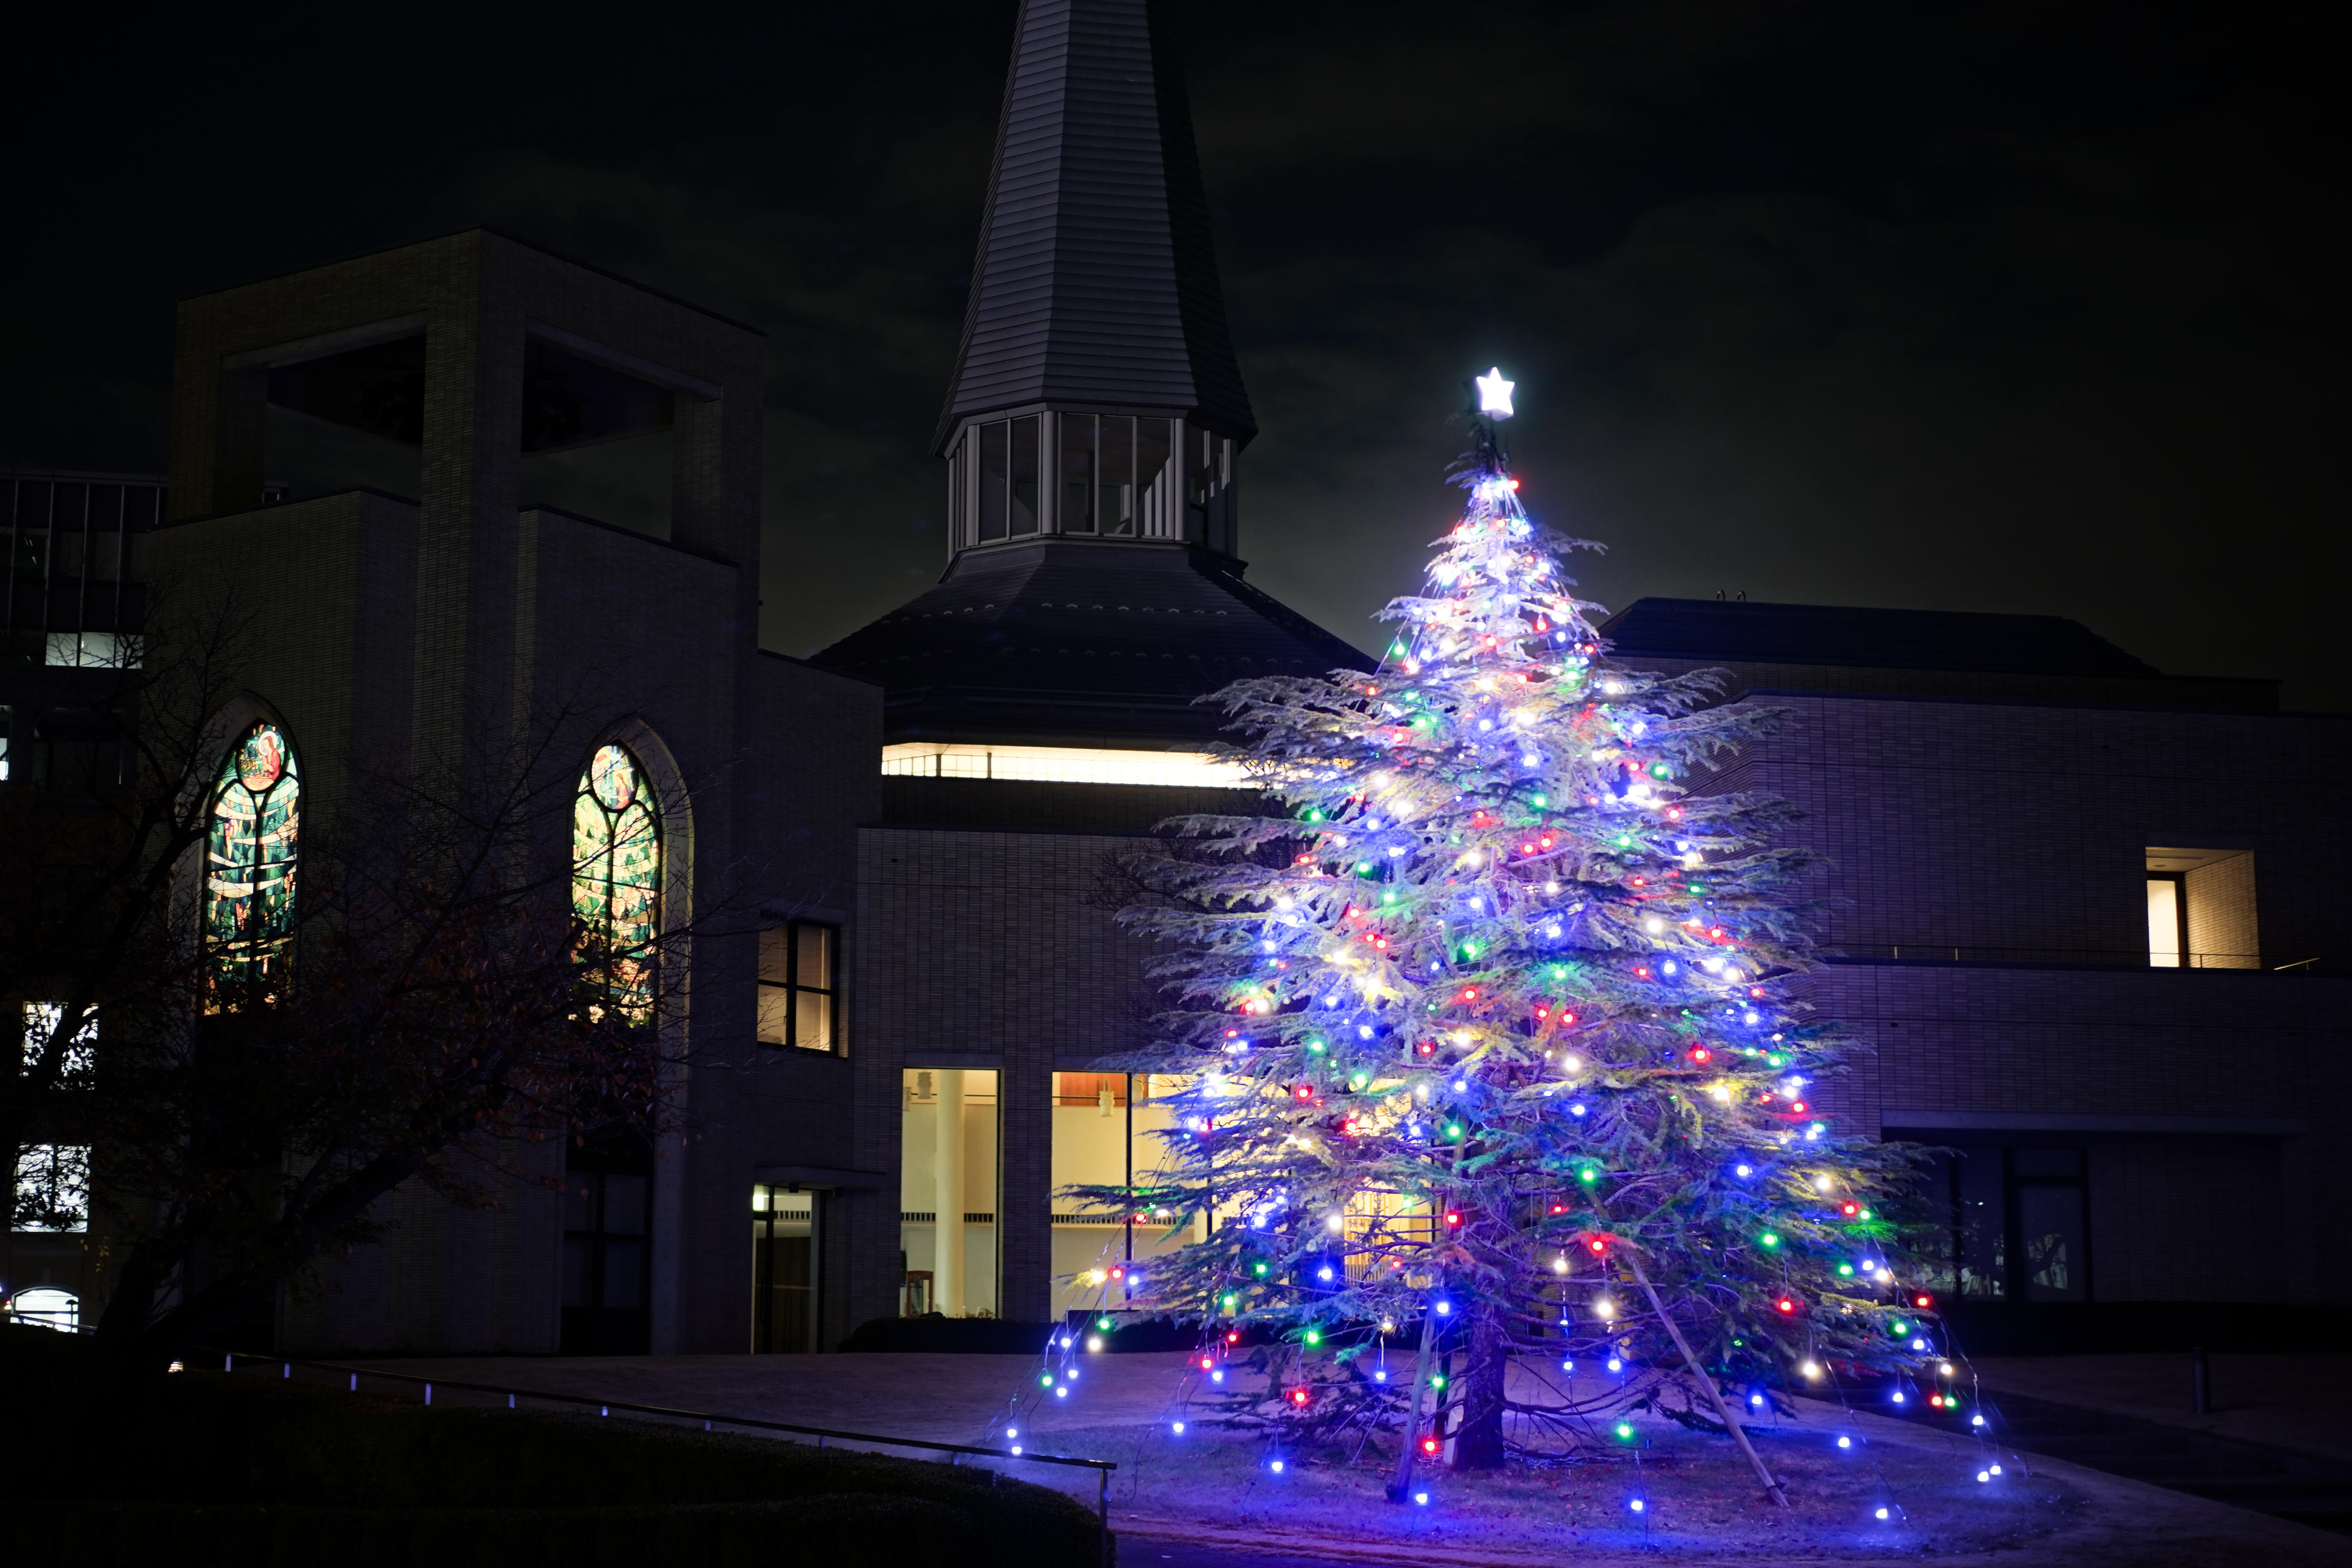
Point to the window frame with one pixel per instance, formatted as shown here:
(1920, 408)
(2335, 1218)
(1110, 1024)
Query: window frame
(2011, 1269)
(793, 987)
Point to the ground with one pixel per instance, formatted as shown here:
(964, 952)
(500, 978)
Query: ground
(2295, 1401)
(1209, 1499)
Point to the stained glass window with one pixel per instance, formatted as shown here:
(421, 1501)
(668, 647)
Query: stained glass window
(616, 866)
(251, 854)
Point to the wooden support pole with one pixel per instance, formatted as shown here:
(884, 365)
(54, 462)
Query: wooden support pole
(1722, 1406)
(1401, 1484)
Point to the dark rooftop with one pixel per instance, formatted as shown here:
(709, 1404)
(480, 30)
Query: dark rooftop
(1095, 284)
(1059, 642)
(1736, 632)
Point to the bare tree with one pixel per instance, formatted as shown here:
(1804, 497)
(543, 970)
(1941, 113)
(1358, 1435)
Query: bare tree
(429, 993)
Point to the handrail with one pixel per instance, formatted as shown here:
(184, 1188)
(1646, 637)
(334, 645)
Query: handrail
(1103, 1468)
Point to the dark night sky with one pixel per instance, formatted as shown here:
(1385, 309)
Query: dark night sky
(1983, 307)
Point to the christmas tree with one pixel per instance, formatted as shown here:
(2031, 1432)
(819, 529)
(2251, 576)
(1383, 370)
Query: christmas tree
(1490, 1029)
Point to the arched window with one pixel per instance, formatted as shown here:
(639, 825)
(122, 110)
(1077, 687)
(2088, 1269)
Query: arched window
(251, 853)
(617, 868)
(46, 1307)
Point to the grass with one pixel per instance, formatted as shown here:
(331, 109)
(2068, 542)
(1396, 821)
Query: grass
(257, 1471)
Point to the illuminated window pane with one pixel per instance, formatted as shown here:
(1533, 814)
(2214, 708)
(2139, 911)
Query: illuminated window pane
(813, 956)
(616, 866)
(775, 1014)
(2163, 923)
(46, 1307)
(800, 1002)
(948, 1192)
(1063, 764)
(52, 1188)
(41, 1021)
(252, 851)
(1107, 1132)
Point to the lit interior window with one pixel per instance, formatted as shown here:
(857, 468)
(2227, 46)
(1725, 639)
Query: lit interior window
(52, 1187)
(947, 1192)
(617, 868)
(1111, 1130)
(1064, 764)
(46, 1307)
(2164, 923)
(252, 855)
(41, 1021)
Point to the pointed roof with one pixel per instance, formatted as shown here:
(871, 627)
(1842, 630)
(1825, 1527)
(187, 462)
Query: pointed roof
(1095, 283)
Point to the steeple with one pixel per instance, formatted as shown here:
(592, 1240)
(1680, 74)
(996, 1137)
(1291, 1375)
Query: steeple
(1095, 393)
(1092, 594)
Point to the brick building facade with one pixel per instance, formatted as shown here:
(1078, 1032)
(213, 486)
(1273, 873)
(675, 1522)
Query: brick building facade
(2075, 910)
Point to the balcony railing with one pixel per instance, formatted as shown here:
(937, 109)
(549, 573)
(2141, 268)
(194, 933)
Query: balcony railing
(2071, 958)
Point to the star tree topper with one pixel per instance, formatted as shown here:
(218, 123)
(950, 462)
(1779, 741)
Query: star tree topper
(1494, 394)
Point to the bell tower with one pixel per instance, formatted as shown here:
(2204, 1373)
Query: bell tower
(1096, 395)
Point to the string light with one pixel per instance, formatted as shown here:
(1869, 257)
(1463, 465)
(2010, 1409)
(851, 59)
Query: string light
(1506, 944)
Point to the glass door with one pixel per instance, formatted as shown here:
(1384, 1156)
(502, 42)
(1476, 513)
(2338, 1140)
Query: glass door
(784, 1271)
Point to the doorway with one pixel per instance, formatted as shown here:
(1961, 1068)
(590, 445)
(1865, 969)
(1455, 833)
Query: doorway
(608, 1248)
(785, 1271)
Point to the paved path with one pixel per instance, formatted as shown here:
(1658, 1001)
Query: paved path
(2298, 1402)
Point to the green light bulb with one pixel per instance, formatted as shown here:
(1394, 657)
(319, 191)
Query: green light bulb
(1768, 1239)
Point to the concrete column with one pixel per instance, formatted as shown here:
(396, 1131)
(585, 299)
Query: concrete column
(946, 1199)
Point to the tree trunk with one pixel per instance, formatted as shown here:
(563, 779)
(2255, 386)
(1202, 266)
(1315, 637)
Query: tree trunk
(1479, 1441)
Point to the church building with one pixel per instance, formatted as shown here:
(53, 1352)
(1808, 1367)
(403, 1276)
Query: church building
(2074, 906)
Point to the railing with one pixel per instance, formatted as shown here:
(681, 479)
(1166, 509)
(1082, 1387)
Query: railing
(956, 1451)
(2092, 957)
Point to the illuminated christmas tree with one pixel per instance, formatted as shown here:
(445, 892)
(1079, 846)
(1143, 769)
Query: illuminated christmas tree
(1489, 1028)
